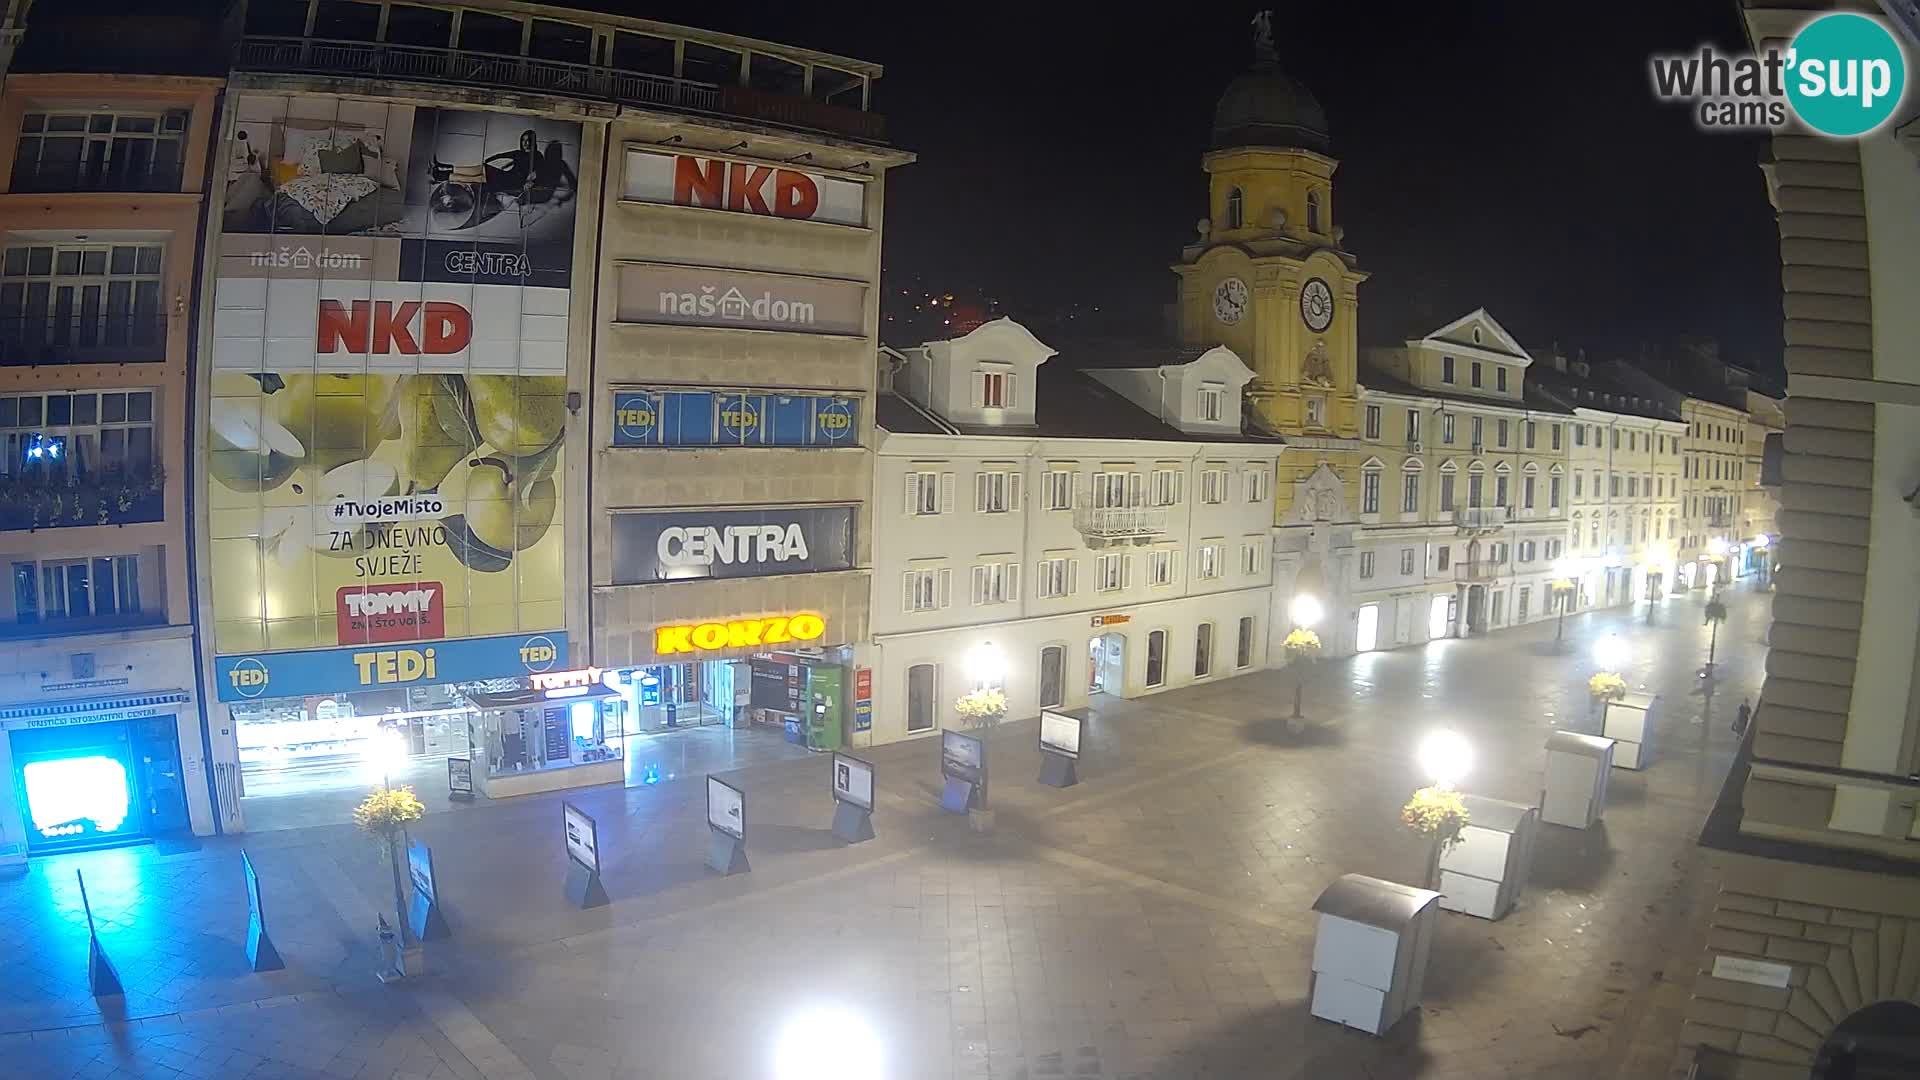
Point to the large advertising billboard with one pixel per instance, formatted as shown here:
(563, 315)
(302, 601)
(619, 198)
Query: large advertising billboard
(389, 387)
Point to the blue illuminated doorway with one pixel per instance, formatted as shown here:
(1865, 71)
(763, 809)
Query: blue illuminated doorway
(95, 785)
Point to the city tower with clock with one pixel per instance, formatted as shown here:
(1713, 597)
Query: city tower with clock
(1268, 277)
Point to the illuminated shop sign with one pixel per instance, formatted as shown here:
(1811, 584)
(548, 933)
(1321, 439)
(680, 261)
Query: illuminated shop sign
(332, 671)
(743, 188)
(708, 296)
(711, 418)
(561, 680)
(738, 634)
(674, 545)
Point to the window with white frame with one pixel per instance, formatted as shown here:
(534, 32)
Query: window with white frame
(1554, 430)
(1479, 432)
(1446, 428)
(1413, 427)
(929, 493)
(1207, 559)
(1526, 492)
(1373, 421)
(1243, 650)
(1056, 489)
(1055, 576)
(1410, 493)
(1212, 403)
(1111, 571)
(927, 588)
(1578, 487)
(923, 697)
(1500, 432)
(1167, 484)
(1406, 560)
(1316, 412)
(995, 582)
(1203, 651)
(1500, 490)
(1366, 565)
(993, 388)
(1553, 493)
(1442, 556)
(996, 491)
(58, 590)
(1446, 492)
(86, 297)
(1259, 484)
(1162, 566)
(100, 151)
(77, 436)
(1520, 612)
(1213, 485)
(1532, 433)
(1370, 491)
(1113, 489)
(1250, 549)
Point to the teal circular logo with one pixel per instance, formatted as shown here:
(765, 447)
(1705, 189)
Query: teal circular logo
(1845, 74)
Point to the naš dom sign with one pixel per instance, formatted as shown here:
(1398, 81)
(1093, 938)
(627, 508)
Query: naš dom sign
(738, 634)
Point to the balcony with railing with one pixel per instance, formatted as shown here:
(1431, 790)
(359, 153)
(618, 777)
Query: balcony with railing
(115, 174)
(1481, 517)
(119, 496)
(1720, 520)
(1109, 525)
(35, 341)
(1476, 571)
(466, 67)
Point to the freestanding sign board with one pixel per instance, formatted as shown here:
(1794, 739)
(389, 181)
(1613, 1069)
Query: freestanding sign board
(423, 913)
(1059, 749)
(1575, 789)
(101, 978)
(1485, 872)
(963, 761)
(583, 858)
(852, 798)
(260, 951)
(1370, 951)
(726, 827)
(460, 778)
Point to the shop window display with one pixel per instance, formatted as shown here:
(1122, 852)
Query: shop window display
(524, 730)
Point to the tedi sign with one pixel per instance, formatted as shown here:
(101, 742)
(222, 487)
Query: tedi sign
(673, 545)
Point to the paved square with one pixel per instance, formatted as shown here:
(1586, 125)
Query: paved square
(1151, 922)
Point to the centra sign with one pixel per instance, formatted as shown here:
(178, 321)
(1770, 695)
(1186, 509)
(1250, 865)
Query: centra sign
(738, 634)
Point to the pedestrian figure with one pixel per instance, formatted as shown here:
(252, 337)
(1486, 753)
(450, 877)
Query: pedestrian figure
(1742, 717)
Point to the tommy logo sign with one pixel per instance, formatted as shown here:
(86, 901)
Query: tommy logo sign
(738, 634)
(408, 327)
(397, 612)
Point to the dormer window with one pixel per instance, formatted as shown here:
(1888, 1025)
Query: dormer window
(1476, 335)
(1313, 211)
(1212, 402)
(993, 388)
(1236, 209)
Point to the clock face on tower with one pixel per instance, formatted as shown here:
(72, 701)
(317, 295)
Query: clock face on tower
(1316, 305)
(1230, 301)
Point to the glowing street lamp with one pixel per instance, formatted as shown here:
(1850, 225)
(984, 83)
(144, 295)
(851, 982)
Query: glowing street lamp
(1445, 756)
(1717, 547)
(1305, 610)
(1610, 652)
(987, 664)
(1562, 586)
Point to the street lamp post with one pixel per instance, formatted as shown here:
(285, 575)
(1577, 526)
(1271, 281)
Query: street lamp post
(1445, 756)
(1305, 612)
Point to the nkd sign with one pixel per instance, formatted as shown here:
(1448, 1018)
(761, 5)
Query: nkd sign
(674, 545)
(700, 296)
(743, 188)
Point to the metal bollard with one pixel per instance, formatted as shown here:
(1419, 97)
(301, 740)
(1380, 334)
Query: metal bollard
(391, 968)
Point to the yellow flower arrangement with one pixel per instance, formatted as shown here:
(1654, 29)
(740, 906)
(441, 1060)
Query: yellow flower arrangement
(385, 812)
(1436, 813)
(1558, 584)
(1607, 686)
(982, 707)
(1302, 643)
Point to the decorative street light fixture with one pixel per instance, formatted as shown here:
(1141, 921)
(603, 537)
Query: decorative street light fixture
(1445, 756)
(1305, 610)
(1562, 586)
(1302, 645)
(1610, 652)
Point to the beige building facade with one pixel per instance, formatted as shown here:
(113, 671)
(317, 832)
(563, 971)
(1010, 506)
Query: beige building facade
(1811, 962)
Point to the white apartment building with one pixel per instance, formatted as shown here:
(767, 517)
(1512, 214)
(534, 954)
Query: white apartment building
(1463, 494)
(1624, 472)
(1062, 530)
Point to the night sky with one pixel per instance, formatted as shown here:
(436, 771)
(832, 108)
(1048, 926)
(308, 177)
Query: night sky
(1496, 154)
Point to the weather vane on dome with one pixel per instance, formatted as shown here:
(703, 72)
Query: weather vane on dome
(1263, 34)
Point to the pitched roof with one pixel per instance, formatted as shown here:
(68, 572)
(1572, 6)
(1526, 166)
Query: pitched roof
(1374, 378)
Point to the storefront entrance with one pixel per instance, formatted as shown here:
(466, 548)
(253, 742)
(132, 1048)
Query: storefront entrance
(94, 785)
(1107, 664)
(1440, 617)
(1367, 630)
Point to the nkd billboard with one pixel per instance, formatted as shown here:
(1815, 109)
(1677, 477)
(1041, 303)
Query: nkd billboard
(389, 387)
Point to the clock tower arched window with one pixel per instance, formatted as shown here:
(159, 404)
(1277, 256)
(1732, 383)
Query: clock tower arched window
(1236, 209)
(1313, 211)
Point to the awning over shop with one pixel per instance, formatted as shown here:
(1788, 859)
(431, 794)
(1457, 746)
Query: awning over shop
(91, 710)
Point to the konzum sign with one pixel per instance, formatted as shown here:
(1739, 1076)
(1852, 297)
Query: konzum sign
(738, 634)
(743, 188)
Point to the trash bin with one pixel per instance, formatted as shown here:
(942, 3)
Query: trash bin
(1370, 951)
(1484, 873)
(1575, 791)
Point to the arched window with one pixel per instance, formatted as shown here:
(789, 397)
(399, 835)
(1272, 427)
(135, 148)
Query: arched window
(1236, 209)
(1313, 211)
